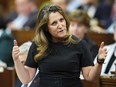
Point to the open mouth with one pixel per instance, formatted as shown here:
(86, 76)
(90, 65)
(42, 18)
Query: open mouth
(61, 30)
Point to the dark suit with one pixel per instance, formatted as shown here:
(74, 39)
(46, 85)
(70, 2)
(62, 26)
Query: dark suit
(6, 45)
(103, 12)
(2, 23)
(17, 83)
(31, 22)
(35, 82)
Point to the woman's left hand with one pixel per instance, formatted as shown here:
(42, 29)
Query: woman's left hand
(102, 53)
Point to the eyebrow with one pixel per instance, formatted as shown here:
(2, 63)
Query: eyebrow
(54, 22)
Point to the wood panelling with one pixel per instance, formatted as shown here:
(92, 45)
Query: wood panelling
(91, 84)
(7, 78)
(108, 82)
(23, 36)
(98, 38)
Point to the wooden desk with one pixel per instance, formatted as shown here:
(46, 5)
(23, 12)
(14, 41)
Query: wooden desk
(7, 78)
(108, 82)
(23, 36)
(90, 84)
(98, 38)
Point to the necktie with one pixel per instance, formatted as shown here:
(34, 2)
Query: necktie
(110, 62)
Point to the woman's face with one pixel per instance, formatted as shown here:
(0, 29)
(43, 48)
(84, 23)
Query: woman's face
(78, 30)
(57, 26)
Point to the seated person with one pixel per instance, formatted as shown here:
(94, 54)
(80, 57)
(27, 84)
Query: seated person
(24, 48)
(108, 65)
(97, 10)
(112, 19)
(79, 26)
(24, 17)
(2, 23)
(62, 3)
(6, 44)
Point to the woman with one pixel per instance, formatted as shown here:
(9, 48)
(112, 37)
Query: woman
(80, 26)
(59, 56)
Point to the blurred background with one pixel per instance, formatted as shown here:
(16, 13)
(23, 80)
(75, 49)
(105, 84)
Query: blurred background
(18, 21)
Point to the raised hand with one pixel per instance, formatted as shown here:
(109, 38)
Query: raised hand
(102, 53)
(15, 51)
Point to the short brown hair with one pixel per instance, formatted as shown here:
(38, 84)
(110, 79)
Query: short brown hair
(80, 16)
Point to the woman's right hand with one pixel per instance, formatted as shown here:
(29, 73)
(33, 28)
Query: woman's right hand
(15, 51)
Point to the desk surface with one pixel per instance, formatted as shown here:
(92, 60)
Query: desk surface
(7, 78)
(108, 82)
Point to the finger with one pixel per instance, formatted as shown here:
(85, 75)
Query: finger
(15, 43)
(105, 49)
(105, 55)
(16, 53)
(102, 45)
(15, 49)
(106, 52)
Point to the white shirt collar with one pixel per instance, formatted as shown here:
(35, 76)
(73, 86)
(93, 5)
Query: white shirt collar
(20, 21)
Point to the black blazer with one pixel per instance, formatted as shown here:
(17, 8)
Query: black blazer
(103, 12)
(35, 82)
(17, 83)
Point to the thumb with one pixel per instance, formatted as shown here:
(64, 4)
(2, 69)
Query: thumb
(102, 45)
(15, 43)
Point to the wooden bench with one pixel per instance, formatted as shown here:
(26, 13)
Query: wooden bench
(98, 38)
(91, 84)
(23, 36)
(7, 78)
(108, 82)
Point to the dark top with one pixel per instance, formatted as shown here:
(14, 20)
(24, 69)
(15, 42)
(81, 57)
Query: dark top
(62, 66)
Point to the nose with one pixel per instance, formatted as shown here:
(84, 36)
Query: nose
(59, 25)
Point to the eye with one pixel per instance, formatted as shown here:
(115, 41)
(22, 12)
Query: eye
(79, 25)
(62, 19)
(54, 23)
